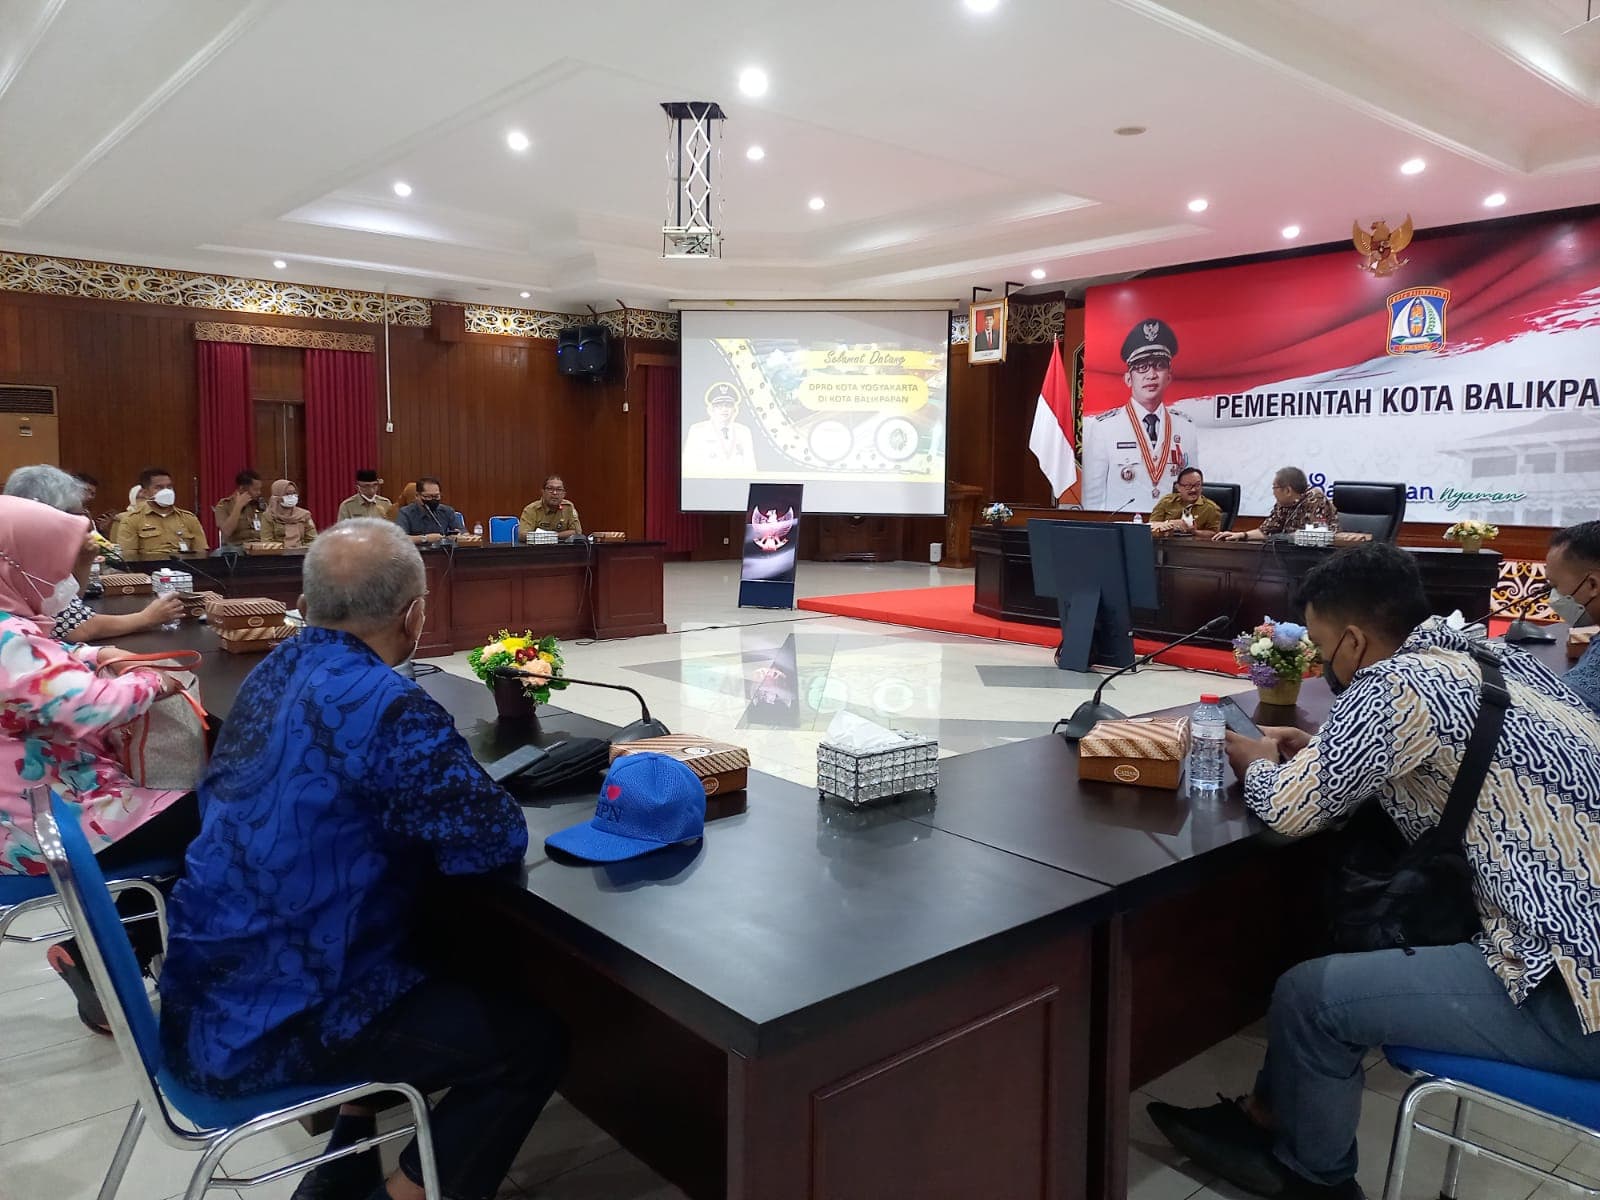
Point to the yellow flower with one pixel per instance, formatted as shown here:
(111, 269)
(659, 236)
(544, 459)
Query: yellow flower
(546, 656)
(513, 644)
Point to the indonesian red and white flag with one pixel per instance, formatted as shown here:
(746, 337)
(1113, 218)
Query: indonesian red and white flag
(1051, 439)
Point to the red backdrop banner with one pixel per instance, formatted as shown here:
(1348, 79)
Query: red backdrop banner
(1455, 375)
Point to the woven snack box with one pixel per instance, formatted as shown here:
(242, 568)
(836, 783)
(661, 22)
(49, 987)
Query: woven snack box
(125, 583)
(1578, 643)
(263, 547)
(721, 767)
(253, 641)
(1145, 752)
(197, 604)
(244, 613)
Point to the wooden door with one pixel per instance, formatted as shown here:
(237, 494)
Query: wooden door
(280, 440)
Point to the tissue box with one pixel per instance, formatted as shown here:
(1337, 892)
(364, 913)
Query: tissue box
(125, 583)
(1145, 753)
(720, 766)
(860, 777)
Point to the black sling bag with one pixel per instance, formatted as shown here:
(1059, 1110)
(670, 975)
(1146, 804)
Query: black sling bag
(1422, 895)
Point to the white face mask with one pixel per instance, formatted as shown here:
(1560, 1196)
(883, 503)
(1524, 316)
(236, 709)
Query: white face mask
(290, 500)
(59, 597)
(165, 498)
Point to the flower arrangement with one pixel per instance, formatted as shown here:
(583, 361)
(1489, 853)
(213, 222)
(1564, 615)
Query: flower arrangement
(105, 548)
(539, 659)
(1276, 652)
(997, 513)
(1472, 530)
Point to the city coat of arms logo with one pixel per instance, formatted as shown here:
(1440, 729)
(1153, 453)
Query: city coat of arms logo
(1416, 320)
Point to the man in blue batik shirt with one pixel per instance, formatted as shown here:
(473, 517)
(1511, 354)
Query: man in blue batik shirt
(338, 788)
(1572, 565)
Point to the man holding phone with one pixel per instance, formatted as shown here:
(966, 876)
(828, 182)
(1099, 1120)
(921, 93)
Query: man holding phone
(1525, 991)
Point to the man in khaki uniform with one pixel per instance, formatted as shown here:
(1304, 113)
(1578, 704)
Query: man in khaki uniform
(366, 502)
(156, 528)
(238, 514)
(1187, 509)
(551, 511)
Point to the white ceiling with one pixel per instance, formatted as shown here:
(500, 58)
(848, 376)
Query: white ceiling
(952, 149)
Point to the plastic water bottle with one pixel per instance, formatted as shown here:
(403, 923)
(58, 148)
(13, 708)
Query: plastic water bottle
(162, 584)
(1138, 518)
(477, 529)
(1208, 733)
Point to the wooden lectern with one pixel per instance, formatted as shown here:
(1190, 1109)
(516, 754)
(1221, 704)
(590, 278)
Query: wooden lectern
(961, 514)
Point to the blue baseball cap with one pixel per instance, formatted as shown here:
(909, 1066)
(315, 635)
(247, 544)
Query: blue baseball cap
(647, 801)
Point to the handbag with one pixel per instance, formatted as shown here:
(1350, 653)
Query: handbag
(1421, 895)
(165, 746)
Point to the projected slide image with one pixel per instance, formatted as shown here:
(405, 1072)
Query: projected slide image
(851, 404)
(784, 406)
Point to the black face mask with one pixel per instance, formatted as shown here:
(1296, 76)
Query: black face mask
(431, 501)
(1335, 684)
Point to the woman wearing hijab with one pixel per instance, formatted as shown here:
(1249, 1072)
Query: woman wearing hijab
(55, 714)
(285, 521)
(408, 495)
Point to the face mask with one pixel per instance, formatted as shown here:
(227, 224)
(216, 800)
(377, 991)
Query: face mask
(1335, 684)
(1572, 611)
(165, 498)
(431, 501)
(404, 665)
(60, 596)
(291, 500)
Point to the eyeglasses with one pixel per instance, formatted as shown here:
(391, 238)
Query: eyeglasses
(1149, 366)
(548, 488)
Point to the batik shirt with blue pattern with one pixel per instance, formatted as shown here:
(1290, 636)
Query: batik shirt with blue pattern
(1584, 678)
(336, 789)
(1398, 735)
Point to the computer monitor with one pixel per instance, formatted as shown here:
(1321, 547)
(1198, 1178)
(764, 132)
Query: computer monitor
(1098, 572)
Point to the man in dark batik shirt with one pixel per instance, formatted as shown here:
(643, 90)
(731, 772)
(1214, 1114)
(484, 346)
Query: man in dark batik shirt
(338, 788)
(1296, 505)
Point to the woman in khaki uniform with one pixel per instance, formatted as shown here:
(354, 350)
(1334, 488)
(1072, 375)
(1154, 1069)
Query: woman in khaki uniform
(285, 521)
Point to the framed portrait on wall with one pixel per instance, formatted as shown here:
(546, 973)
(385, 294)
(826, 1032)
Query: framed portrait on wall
(986, 332)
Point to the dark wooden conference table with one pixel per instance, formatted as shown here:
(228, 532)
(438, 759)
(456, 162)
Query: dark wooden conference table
(951, 996)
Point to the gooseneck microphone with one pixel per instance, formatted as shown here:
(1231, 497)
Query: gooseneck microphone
(645, 727)
(1521, 630)
(1091, 712)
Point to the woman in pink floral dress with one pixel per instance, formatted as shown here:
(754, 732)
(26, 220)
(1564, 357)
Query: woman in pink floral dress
(55, 714)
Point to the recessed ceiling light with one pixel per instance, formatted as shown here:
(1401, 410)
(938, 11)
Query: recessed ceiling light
(1199, 204)
(1494, 199)
(753, 81)
(1037, 272)
(982, 6)
(402, 188)
(524, 295)
(1413, 166)
(1291, 231)
(755, 154)
(1129, 130)
(817, 204)
(518, 140)
(279, 263)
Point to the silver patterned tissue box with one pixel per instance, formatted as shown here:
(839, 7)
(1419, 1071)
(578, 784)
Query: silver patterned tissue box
(859, 778)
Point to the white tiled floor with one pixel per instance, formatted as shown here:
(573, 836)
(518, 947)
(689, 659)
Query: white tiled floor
(64, 1096)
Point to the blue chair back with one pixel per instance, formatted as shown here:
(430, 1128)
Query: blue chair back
(82, 888)
(503, 530)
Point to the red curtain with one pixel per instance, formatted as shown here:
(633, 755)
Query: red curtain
(226, 429)
(663, 520)
(341, 428)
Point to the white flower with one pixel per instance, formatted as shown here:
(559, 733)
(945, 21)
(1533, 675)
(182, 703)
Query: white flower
(1261, 648)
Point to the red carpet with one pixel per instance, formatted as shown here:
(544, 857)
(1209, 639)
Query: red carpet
(949, 610)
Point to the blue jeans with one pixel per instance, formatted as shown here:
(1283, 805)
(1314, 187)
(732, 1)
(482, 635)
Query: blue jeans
(1328, 1012)
(501, 1058)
